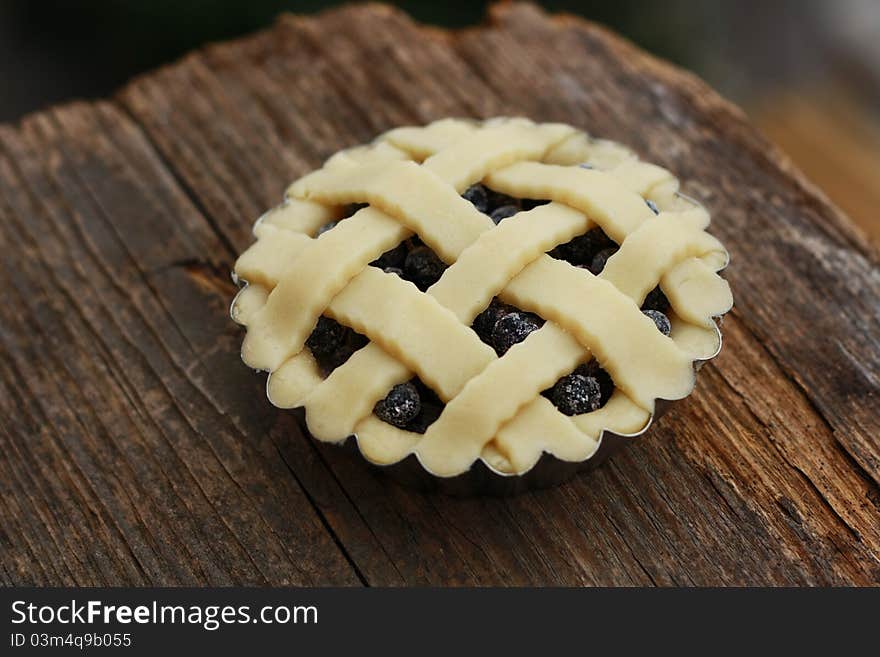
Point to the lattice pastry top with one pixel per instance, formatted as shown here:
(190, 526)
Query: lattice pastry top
(492, 290)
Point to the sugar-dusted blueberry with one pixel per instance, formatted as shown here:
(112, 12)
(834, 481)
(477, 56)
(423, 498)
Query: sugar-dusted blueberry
(661, 320)
(503, 212)
(594, 370)
(513, 328)
(656, 300)
(575, 394)
(392, 257)
(600, 259)
(393, 270)
(325, 227)
(400, 406)
(423, 267)
(327, 336)
(652, 205)
(485, 321)
(477, 195)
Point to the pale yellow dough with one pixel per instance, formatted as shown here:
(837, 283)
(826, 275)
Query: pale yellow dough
(412, 179)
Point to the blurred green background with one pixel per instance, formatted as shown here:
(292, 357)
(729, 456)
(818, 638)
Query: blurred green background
(807, 70)
(53, 49)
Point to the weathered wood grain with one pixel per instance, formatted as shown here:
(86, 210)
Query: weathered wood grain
(137, 448)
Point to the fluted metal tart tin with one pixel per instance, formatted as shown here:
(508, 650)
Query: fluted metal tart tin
(482, 478)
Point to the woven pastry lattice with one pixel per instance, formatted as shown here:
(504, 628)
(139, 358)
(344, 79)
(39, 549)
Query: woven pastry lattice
(412, 180)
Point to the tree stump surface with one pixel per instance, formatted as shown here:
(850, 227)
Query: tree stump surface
(138, 449)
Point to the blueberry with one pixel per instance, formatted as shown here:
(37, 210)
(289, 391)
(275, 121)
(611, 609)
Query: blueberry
(393, 270)
(575, 394)
(656, 300)
(600, 259)
(512, 328)
(477, 195)
(594, 370)
(503, 212)
(327, 336)
(332, 344)
(423, 267)
(485, 321)
(583, 248)
(652, 205)
(661, 320)
(400, 406)
(323, 229)
(391, 258)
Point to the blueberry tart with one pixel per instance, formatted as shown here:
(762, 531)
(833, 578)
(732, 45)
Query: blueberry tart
(481, 295)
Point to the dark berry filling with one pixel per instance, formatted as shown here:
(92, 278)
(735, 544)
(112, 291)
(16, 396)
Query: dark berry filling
(354, 207)
(652, 205)
(485, 321)
(392, 258)
(656, 300)
(430, 408)
(497, 205)
(423, 267)
(412, 406)
(531, 203)
(477, 195)
(502, 212)
(497, 199)
(582, 249)
(513, 328)
(594, 370)
(400, 406)
(575, 394)
(600, 259)
(327, 336)
(586, 389)
(332, 344)
(660, 320)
